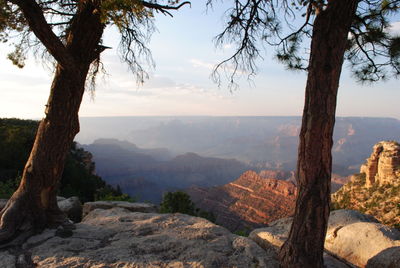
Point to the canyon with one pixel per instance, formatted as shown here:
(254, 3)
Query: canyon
(249, 202)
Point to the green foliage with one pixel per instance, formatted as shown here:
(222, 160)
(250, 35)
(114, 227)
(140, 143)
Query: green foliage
(8, 187)
(119, 11)
(11, 19)
(122, 197)
(78, 179)
(243, 232)
(180, 202)
(177, 202)
(16, 141)
(206, 215)
(109, 193)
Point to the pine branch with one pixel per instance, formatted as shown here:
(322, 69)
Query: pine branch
(41, 28)
(164, 8)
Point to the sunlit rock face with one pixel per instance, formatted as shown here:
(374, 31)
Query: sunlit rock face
(383, 166)
(249, 202)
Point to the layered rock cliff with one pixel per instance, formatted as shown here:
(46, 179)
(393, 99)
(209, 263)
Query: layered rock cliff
(383, 166)
(250, 201)
(376, 189)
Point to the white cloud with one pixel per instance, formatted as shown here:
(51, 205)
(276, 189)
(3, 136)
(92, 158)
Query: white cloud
(227, 46)
(199, 63)
(395, 27)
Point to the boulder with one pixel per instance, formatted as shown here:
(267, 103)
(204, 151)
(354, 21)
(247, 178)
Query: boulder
(389, 257)
(134, 207)
(60, 198)
(343, 217)
(352, 237)
(273, 237)
(72, 207)
(117, 237)
(359, 242)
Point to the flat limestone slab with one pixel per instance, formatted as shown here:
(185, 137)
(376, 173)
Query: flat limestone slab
(119, 238)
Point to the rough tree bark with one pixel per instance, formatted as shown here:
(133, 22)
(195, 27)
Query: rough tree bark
(304, 247)
(34, 206)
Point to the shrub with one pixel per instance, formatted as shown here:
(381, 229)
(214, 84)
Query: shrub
(180, 202)
(8, 187)
(243, 232)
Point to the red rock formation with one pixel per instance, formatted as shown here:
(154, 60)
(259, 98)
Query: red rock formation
(248, 202)
(383, 165)
(274, 174)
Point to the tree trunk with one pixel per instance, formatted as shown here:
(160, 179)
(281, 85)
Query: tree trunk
(304, 247)
(34, 205)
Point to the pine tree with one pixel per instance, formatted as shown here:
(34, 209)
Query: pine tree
(353, 30)
(69, 33)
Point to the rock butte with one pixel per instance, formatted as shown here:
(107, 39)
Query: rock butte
(376, 190)
(383, 166)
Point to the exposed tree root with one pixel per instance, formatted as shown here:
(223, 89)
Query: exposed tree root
(22, 217)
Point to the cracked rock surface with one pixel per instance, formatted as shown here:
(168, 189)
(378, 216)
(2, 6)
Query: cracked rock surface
(119, 238)
(352, 237)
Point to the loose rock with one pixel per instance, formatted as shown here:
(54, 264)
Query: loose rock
(72, 207)
(134, 207)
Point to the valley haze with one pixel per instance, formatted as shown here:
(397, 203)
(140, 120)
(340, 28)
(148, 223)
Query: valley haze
(147, 155)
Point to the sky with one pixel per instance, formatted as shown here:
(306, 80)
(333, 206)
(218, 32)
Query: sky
(180, 84)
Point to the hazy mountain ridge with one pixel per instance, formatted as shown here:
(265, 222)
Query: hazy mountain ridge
(263, 142)
(139, 174)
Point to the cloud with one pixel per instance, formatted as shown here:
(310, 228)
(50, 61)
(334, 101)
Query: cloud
(227, 46)
(394, 28)
(202, 64)
(159, 82)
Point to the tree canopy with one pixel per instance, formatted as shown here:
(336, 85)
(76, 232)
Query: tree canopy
(315, 36)
(44, 26)
(69, 33)
(373, 49)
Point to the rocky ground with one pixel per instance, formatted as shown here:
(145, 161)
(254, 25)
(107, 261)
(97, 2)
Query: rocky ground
(123, 234)
(118, 237)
